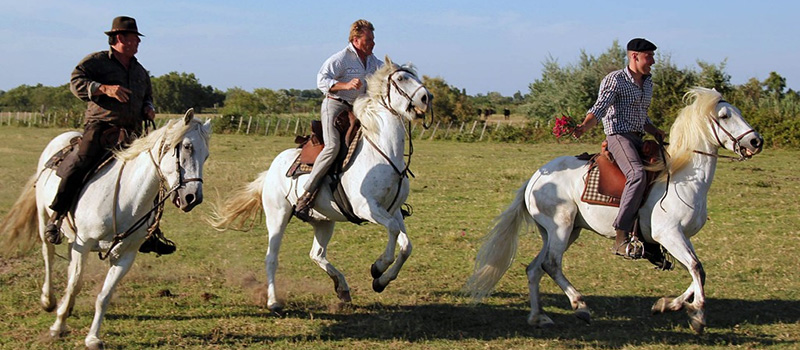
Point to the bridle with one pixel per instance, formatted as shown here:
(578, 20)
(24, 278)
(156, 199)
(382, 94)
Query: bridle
(388, 103)
(158, 204)
(737, 148)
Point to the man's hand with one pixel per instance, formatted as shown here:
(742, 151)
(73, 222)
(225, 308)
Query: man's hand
(119, 93)
(149, 113)
(353, 84)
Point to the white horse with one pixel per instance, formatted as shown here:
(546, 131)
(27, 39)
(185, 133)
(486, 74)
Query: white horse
(111, 203)
(551, 200)
(375, 182)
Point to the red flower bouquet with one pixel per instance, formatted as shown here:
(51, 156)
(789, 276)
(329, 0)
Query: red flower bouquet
(564, 125)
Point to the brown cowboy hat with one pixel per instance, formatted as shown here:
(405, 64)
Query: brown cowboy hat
(124, 24)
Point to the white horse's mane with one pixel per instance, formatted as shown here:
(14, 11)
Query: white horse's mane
(366, 107)
(175, 130)
(690, 130)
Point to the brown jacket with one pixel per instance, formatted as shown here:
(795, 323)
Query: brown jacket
(102, 68)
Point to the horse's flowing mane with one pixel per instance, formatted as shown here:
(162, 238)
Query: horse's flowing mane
(366, 106)
(174, 131)
(690, 130)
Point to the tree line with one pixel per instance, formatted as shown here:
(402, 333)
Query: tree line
(569, 89)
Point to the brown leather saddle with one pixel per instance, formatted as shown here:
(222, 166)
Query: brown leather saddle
(311, 145)
(605, 181)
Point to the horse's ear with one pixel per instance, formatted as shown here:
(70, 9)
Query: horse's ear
(714, 89)
(207, 125)
(189, 116)
(387, 60)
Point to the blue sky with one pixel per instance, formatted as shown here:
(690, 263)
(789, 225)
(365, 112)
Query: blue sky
(480, 46)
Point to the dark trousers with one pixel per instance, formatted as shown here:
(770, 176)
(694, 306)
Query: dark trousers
(75, 167)
(625, 149)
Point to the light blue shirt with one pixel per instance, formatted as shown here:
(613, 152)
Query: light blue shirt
(343, 66)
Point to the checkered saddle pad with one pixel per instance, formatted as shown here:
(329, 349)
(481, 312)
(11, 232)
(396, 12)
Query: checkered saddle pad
(591, 194)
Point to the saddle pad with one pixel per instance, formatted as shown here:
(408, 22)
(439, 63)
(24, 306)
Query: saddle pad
(300, 168)
(591, 194)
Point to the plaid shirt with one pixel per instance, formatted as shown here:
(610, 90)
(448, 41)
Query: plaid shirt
(102, 68)
(621, 104)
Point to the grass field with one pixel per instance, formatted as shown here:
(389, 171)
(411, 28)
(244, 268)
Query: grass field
(216, 280)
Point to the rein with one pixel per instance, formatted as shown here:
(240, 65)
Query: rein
(737, 148)
(388, 105)
(158, 204)
(406, 171)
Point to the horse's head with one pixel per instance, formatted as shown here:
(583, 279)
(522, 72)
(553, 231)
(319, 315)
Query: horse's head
(733, 132)
(185, 150)
(400, 90)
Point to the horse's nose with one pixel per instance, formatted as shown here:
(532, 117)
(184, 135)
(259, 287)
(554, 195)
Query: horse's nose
(757, 142)
(425, 98)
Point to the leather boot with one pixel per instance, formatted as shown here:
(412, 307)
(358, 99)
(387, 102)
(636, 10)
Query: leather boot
(52, 232)
(157, 243)
(626, 246)
(303, 207)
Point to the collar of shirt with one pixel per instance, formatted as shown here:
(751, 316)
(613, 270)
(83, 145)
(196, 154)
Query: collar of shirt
(629, 75)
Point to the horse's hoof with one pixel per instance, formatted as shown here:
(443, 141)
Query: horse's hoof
(541, 321)
(344, 296)
(276, 308)
(660, 306)
(95, 345)
(377, 286)
(697, 326)
(57, 333)
(375, 272)
(584, 315)
(48, 304)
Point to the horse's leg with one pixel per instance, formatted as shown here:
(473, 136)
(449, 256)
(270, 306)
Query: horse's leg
(681, 248)
(116, 272)
(47, 298)
(323, 232)
(77, 260)
(395, 228)
(534, 271)
(380, 281)
(277, 218)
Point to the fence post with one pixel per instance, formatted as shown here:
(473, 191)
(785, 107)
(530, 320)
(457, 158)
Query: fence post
(239, 128)
(421, 133)
(482, 131)
(277, 125)
(266, 128)
(447, 133)
(249, 121)
(296, 126)
(434, 129)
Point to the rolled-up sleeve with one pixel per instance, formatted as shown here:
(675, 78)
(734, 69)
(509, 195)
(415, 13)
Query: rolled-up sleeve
(327, 76)
(605, 97)
(80, 84)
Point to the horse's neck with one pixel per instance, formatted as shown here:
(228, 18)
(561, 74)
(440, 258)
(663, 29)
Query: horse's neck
(140, 178)
(700, 171)
(391, 138)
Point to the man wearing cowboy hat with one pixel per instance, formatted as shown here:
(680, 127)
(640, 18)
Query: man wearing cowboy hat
(119, 99)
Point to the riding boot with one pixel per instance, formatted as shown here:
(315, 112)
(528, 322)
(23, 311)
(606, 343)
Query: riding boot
(303, 207)
(52, 232)
(157, 243)
(624, 245)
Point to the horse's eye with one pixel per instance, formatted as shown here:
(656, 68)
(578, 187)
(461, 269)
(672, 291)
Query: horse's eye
(400, 78)
(724, 116)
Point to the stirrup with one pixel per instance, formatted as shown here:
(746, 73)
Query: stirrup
(157, 243)
(634, 249)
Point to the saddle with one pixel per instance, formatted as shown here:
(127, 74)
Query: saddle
(67, 157)
(349, 128)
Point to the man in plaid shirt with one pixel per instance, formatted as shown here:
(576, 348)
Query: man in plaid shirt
(622, 104)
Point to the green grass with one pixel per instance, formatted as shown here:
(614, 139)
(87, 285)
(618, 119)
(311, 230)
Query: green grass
(217, 282)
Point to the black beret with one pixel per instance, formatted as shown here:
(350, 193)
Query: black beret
(640, 45)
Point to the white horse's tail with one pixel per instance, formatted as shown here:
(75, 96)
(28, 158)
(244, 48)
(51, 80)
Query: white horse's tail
(239, 209)
(20, 226)
(499, 248)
